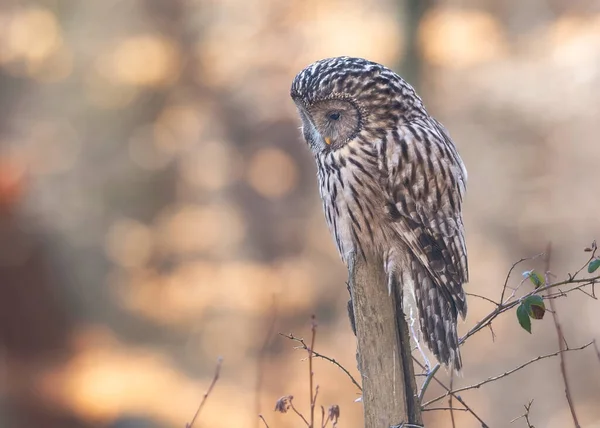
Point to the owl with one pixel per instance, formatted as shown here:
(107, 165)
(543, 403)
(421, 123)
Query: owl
(392, 185)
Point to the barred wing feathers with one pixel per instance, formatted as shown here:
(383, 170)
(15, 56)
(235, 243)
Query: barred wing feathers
(424, 181)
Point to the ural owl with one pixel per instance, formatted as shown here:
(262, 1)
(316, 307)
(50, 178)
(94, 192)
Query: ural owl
(392, 184)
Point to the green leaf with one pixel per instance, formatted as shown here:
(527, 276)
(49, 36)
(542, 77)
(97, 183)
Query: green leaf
(594, 265)
(536, 279)
(535, 307)
(534, 299)
(523, 318)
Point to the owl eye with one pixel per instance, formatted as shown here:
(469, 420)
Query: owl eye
(334, 115)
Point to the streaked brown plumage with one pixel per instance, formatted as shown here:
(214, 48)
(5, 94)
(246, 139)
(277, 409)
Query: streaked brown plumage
(392, 185)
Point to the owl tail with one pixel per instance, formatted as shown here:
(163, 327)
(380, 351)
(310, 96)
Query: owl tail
(435, 310)
(438, 320)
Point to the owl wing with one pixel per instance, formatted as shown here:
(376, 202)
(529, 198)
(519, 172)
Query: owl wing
(425, 180)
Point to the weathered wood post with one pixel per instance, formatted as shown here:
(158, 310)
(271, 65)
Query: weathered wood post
(390, 395)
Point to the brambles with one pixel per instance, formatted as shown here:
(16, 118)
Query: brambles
(529, 305)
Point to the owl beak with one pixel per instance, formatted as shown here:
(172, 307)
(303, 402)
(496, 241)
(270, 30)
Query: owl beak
(327, 141)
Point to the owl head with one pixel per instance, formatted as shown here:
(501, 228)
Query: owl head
(343, 98)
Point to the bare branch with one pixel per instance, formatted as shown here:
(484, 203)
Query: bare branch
(298, 413)
(430, 375)
(458, 397)
(450, 399)
(593, 249)
(451, 409)
(525, 415)
(509, 305)
(514, 290)
(264, 422)
(592, 294)
(510, 272)
(208, 391)
(507, 373)
(492, 331)
(561, 293)
(304, 346)
(561, 343)
(483, 298)
(260, 359)
(313, 397)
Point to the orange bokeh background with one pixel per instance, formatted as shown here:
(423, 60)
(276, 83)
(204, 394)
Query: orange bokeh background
(157, 204)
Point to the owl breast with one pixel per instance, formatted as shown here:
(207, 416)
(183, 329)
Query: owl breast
(349, 183)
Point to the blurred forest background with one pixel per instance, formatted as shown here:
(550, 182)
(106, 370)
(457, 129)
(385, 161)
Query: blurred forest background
(156, 199)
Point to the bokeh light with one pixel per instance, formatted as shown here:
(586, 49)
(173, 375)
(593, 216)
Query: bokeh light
(272, 173)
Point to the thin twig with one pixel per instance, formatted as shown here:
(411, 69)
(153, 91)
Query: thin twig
(597, 350)
(586, 293)
(451, 409)
(208, 391)
(299, 414)
(507, 373)
(561, 343)
(510, 272)
(314, 402)
(514, 290)
(509, 305)
(561, 293)
(525, 415)
(492, 331)
(458, 397)
(430, 375)
(313, 398)
(325, 421)
(304, 346)
(493, 302)
(260, 360)
(263, 419)
(593, 249)
(450, 405)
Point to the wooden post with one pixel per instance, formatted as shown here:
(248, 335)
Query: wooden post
(390, 395)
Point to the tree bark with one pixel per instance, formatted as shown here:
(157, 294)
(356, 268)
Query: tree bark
(384, 354)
